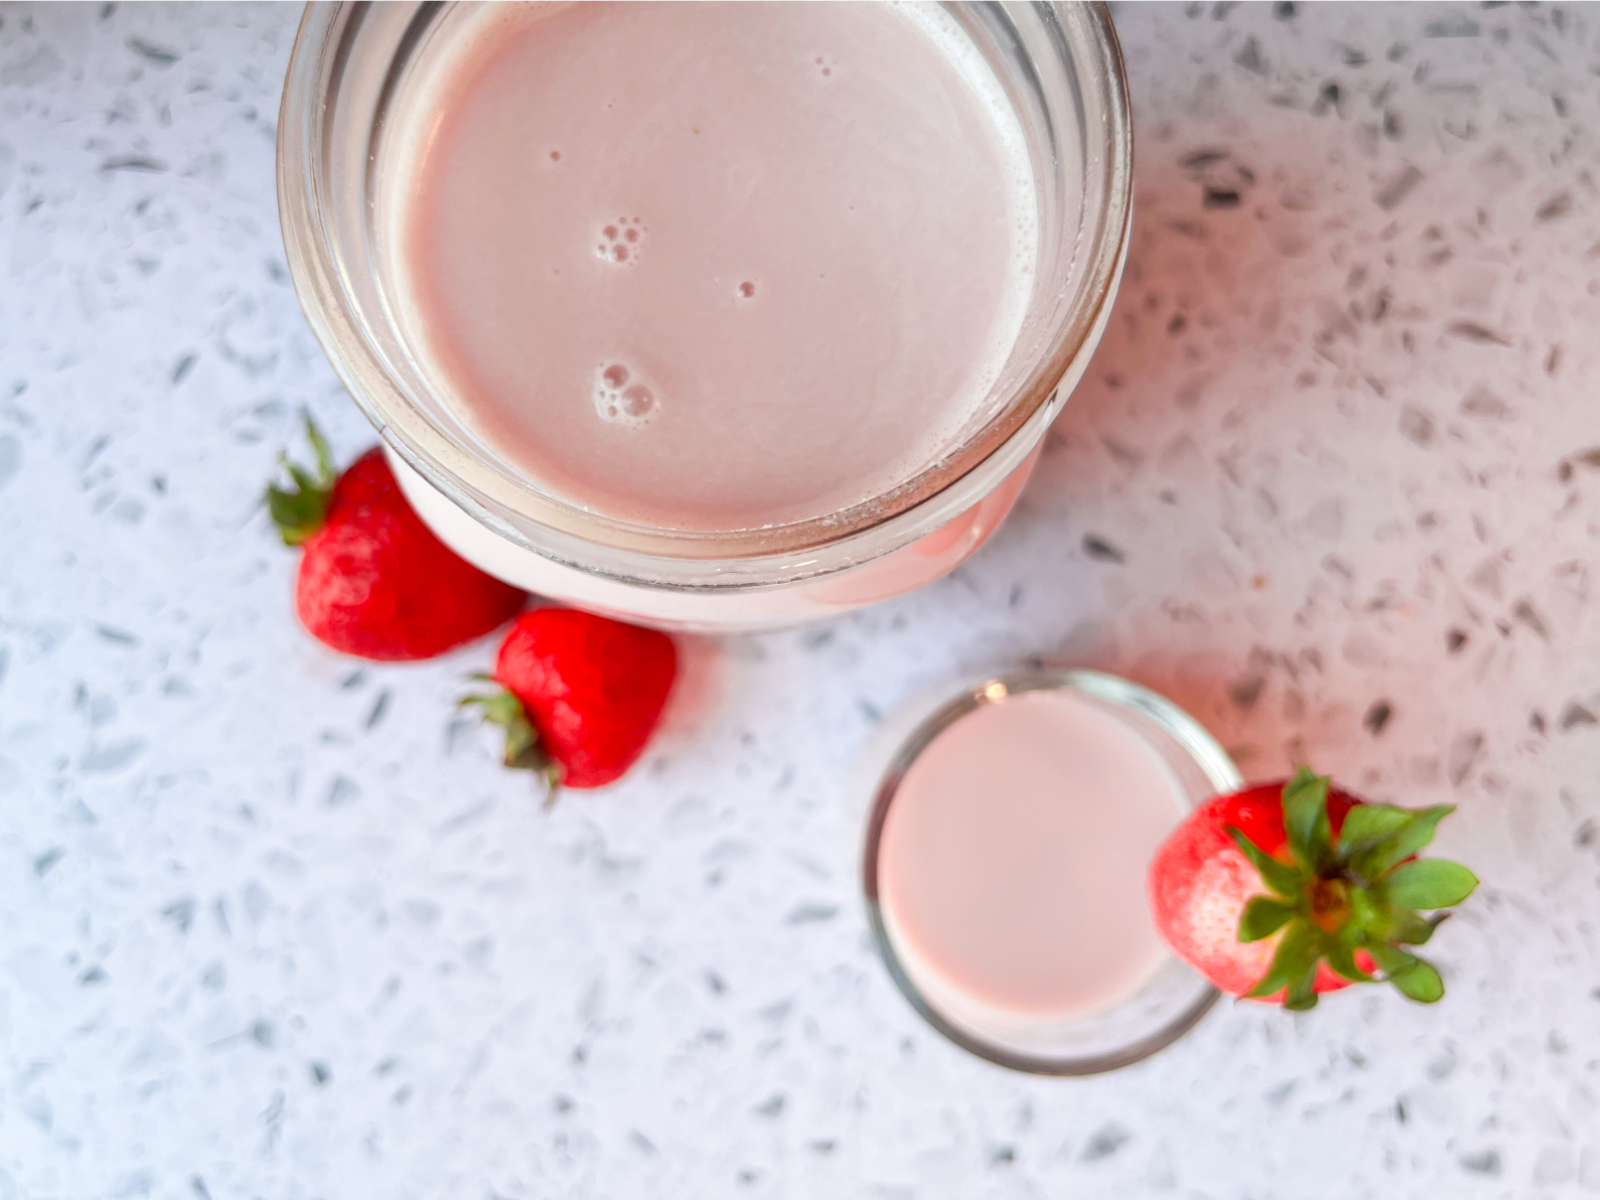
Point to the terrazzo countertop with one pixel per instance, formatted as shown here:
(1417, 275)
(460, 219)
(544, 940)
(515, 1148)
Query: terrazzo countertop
(274, 924)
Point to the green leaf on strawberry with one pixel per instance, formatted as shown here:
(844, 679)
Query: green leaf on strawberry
(1341, 957)
(1420, 982)
(300, 511)
(1429, 883)
(1413, 929)
(1305, 819)
(1400, 845)
(1368, 824)
(1280, 877)
(1263, 917)
(1294, 965)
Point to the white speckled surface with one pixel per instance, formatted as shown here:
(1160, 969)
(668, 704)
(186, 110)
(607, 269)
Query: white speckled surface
(270, 925)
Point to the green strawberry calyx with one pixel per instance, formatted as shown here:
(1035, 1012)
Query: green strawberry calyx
(523, 752)
(1361, 892)
(300, 510)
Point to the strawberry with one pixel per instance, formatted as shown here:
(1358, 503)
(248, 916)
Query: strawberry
(581, 696)
(1289, 889)
(374, 581)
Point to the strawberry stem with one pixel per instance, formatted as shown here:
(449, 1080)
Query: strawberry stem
(1361, 894)
(1329, 904)
(522, 750)
(299, 511)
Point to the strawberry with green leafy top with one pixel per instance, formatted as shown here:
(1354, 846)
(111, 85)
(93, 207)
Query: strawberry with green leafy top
(374, 581)
(579, 696)
(1287, 890)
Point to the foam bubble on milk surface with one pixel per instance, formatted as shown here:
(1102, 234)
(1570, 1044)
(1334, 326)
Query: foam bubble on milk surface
(619, 242)
(622, 396)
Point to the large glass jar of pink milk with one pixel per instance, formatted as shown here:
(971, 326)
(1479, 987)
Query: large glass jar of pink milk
(710, 316)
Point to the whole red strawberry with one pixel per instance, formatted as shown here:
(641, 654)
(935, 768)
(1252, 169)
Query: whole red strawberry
(374, 581)
(583, 694)
(1290, 889)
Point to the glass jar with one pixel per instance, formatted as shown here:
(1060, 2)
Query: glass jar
(354, 69)
(1173, 997)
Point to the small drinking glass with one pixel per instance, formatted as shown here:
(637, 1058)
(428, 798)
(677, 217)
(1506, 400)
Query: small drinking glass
(1172, 998)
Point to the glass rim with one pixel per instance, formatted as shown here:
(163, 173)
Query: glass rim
(1082, 33)
(1207, 754)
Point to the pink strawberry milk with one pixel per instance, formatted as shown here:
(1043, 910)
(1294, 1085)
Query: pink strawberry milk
(712, 316)
(718, 266)
(1012, 861)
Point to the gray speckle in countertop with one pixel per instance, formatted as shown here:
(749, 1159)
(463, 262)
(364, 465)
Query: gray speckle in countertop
(273, 923)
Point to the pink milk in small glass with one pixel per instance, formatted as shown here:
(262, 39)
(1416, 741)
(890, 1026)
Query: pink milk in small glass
(1011, 833)
(712, 316)
(1013, 862)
